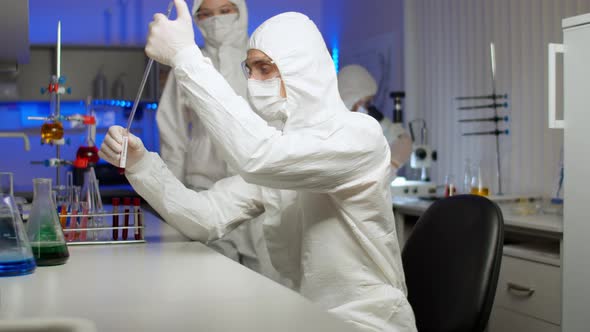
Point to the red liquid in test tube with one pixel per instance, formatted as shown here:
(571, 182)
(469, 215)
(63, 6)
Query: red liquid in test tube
(138, 221)
(126, 203)
(115, 218)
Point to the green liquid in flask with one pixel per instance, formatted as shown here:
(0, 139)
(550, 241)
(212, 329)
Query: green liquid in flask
(48, 254)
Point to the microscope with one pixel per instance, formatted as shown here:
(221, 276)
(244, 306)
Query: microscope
(423, 155)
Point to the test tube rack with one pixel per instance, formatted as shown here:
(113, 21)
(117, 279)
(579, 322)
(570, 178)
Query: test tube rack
(98, 234)
(495, 102)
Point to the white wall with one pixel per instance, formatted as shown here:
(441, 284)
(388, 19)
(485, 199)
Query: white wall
(447, 55)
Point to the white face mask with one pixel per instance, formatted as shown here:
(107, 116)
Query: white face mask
(265, 97)
(218, 28)
(362, 109)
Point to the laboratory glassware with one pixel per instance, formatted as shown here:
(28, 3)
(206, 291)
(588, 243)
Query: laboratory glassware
(52, 131)
(16, 257)
(43, 228)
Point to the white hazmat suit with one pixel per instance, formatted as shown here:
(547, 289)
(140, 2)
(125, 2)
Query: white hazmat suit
(321, 182)
(355, 83)
(185, 145)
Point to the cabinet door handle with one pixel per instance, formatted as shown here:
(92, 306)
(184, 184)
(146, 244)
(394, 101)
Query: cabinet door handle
(551, 96)
(520, 290)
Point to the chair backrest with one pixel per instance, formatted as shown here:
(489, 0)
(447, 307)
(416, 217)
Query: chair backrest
(452, 262)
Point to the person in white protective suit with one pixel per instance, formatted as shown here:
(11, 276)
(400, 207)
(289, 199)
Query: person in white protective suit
(185, 145)
(358, 88)
(321, 182)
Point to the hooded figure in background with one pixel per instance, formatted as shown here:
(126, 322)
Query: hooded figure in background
(358, 88)
(185, 145)
(320, 184)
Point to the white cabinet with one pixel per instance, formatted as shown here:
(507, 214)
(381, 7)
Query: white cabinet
(576, 248)
(503, 320)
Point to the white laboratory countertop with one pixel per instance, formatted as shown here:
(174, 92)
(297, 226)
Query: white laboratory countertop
(541, 222)
(168, 284)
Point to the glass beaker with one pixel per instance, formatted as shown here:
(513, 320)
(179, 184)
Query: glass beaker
(479, 184)
(43, 228)
(467, 177)
(16, 257)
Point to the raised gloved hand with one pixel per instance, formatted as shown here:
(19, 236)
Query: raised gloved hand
(112, 146)
(166, 38)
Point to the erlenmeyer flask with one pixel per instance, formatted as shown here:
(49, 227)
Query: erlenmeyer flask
(16, 257)
(43, 228)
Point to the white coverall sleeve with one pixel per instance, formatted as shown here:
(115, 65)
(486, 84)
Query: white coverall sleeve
(202, 216)
(263, 155)
(173, 124)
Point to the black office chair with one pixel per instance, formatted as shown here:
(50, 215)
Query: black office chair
(452, 262)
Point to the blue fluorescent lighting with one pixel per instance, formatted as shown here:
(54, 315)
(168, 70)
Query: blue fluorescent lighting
(336, 58)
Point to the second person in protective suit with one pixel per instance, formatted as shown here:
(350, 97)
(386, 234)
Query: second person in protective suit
(185, 145)
(321, 183)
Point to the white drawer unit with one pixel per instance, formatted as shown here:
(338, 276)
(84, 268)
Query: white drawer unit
(528, 294)
(503, 320)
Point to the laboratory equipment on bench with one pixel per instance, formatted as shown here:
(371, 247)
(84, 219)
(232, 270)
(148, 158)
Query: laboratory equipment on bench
(148, 68)
(479, 183)
(16, 257)
(423, 155)
(401, 187)
(450, 187)
(87, 217)
(494, 102)
(43, 228)
(88, 153)
(52, 130)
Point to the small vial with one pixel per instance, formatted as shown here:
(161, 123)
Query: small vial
(116, 202)
(127, 204)
(138, 221)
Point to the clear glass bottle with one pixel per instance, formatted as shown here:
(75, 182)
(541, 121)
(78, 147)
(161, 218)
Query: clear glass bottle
(479, 184)
(43, 228)
(16, 257)
(467, 177)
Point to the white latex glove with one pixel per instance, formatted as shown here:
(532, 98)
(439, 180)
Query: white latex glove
(112, 146)
(166, 38)
(401, 150)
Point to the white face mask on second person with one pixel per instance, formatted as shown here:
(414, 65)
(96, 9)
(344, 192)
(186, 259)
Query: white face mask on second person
(218, 28)
(265, 97)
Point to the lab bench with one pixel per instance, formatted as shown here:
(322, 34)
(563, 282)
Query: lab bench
(528, 296)
(166, 284)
